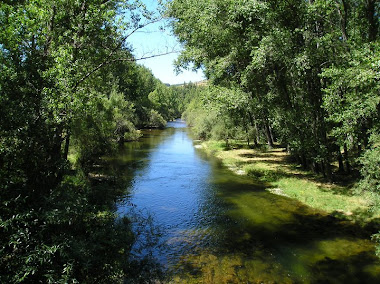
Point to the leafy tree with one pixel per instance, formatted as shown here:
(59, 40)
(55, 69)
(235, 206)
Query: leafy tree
(59, 89)
(308, 71)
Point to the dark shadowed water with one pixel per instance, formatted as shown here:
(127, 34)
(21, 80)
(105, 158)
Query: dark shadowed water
(217, 227)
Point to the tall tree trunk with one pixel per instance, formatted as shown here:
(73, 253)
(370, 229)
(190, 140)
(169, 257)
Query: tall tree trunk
(323, 169)
(328, 169)
(271, 134)
(347, 162)
(316, 167)
(372, 18)
(257, 134)
(247, 135)
(343, 14)
(253, 122)
(340, 161)
(67, 144)
(268, 134)
(304, 161)
(288, 148)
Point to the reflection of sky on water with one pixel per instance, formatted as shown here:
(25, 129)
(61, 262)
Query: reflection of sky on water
(173, 188)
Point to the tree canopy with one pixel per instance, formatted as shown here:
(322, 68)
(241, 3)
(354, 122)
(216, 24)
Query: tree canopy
(70, 91)
(306, 71)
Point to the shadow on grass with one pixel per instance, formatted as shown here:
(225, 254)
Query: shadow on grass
(273, 175)
(363, 217)
(270, 175)
(264, 155)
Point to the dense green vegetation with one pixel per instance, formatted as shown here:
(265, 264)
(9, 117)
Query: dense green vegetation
(304, 74)
(301, 73)
(70, 92)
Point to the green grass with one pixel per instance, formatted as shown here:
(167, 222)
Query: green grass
(271, 167)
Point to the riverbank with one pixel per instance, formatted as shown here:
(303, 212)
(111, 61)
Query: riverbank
(273, 168)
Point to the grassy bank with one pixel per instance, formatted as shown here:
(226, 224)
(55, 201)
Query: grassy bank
(274, 168)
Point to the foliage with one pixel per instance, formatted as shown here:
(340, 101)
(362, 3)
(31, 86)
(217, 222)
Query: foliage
(156, 120)
(370, 166)
(220, 113)
(376, 237)
(304, 73)
(68, 80)
(64, 240)
(352, 98)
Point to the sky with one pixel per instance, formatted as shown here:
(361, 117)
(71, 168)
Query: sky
(151, 41)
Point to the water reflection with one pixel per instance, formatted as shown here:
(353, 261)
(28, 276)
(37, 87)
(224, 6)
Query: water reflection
(217, 227)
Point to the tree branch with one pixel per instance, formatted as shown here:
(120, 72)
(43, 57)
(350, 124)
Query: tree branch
(130, 59)
(108, 60)
(50, 31)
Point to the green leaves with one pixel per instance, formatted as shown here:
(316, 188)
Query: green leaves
(353, 96)
(67, 83)
(302, 63)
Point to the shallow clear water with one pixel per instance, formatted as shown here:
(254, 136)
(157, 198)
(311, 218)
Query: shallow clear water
(217, 227)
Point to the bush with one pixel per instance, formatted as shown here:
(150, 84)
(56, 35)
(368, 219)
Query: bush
(370, 167)
(156, 120)
(68, 239)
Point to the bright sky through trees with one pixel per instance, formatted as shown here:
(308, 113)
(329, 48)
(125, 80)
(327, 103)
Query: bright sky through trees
(152, 41)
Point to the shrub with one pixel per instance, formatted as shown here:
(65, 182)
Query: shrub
(370, 167)
(155, 120)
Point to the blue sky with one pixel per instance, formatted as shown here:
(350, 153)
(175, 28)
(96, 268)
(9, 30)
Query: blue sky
(152, 41)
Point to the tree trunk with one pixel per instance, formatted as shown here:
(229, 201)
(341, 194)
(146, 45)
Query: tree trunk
(328, 169)
(323, 169)
(67, 144)
(298, 158)
(253, 122)
(247, 134)
(316, 168)
(360, 149)
(257, 140)
(268, 134)
(347, 162)
(340, 161)
(271, 135)
(343, 18)
(304, 161)
(372, 18)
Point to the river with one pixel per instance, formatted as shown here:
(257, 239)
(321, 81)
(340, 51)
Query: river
(208, 225)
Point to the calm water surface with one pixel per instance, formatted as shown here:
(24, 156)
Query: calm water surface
(217, 227)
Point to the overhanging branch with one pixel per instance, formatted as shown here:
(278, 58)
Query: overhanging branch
(129, 59)
(108, 60)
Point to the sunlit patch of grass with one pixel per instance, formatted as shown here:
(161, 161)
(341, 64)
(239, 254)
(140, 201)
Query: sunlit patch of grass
(272, 168)
(213, 146)
(314, 195)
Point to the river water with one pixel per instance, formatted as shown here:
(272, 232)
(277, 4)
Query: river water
(204, 224)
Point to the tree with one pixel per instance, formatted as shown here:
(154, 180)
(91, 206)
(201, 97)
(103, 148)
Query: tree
(56, 87)
(310, 69)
